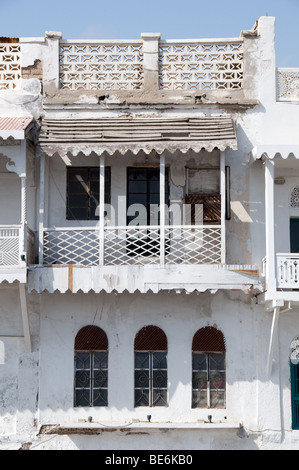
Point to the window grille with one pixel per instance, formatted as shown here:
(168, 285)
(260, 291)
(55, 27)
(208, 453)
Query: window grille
(91, 367)
(208, 369)
(151, 367)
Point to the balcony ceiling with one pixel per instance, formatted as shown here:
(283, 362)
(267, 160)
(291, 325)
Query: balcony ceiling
(137, 134)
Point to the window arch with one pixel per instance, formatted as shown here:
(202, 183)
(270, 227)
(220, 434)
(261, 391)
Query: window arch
(294, 364)
(208, 369)
(151, 367)
(91, 367)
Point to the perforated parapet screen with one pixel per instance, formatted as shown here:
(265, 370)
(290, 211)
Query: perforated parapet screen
(150, 338)
(208, 339)
(91, 338)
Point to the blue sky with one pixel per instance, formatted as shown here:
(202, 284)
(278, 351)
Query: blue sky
(174, 19)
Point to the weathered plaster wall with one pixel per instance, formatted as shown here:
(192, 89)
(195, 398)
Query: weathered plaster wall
(121, 317)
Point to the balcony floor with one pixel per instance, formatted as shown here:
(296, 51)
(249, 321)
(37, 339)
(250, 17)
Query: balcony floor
(148, 278)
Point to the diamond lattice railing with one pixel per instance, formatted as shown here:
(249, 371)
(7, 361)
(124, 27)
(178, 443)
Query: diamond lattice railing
(10, 66)
(101, 66)
(134, 245)
(71, 247)
(201, 66)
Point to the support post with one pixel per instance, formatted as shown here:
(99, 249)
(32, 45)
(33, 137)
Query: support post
(23, 235)
(102, 211)
(162, 210)
(151, 61)
(270, 227)
(41, 215)
(223, 207)
(25, 318)
(23, 177)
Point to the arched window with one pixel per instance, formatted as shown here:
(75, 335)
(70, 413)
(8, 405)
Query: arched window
(151, 367)
(91, 367)
(294, 363)
(208, 369)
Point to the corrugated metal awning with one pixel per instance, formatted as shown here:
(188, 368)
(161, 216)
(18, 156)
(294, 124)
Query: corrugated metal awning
(135, 134)
(14, 127)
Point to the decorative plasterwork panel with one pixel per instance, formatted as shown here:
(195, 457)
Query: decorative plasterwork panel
(101, 66)
(201, 66)
(288, 84)
(10, 66)
(295, 197)
(295, 351)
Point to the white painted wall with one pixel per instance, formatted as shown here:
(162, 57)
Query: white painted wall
(37, 388)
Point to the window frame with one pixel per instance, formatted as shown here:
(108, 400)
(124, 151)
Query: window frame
(147, 193)
(208, 390)
(91, 388)
(208, 341)
(151, 340)
(151, 386)
(91, 340)
(90, 194)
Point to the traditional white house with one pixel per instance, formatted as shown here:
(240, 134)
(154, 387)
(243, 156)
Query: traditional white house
(149, 220)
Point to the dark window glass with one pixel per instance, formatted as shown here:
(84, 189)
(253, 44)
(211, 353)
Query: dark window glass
(294, 235)
(83, 192)
(144, 188)
(295, 394)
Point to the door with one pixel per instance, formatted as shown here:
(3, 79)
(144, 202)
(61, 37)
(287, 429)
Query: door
(143, 200)
(295, 394)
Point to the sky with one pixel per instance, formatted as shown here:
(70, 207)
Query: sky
(174, 19)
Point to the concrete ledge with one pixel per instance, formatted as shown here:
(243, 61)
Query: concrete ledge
(133, 427)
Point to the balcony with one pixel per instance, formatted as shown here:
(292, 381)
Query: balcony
(16, 252)
(138, 259)
(133, 245)
(287, 271)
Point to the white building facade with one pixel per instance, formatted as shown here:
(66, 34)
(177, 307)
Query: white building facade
(148, 244)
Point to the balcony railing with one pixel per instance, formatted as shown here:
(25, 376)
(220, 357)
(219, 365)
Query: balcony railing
(10, 66)
(101, 65)
(287, 271)
(121, 65)
(11, 245)
(133, 245)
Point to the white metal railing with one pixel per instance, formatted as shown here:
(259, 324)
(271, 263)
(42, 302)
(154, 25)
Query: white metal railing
(10, 66)
(13, 240)
(10, 245)
(287, 270)
(288, 84)
(133, 245)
